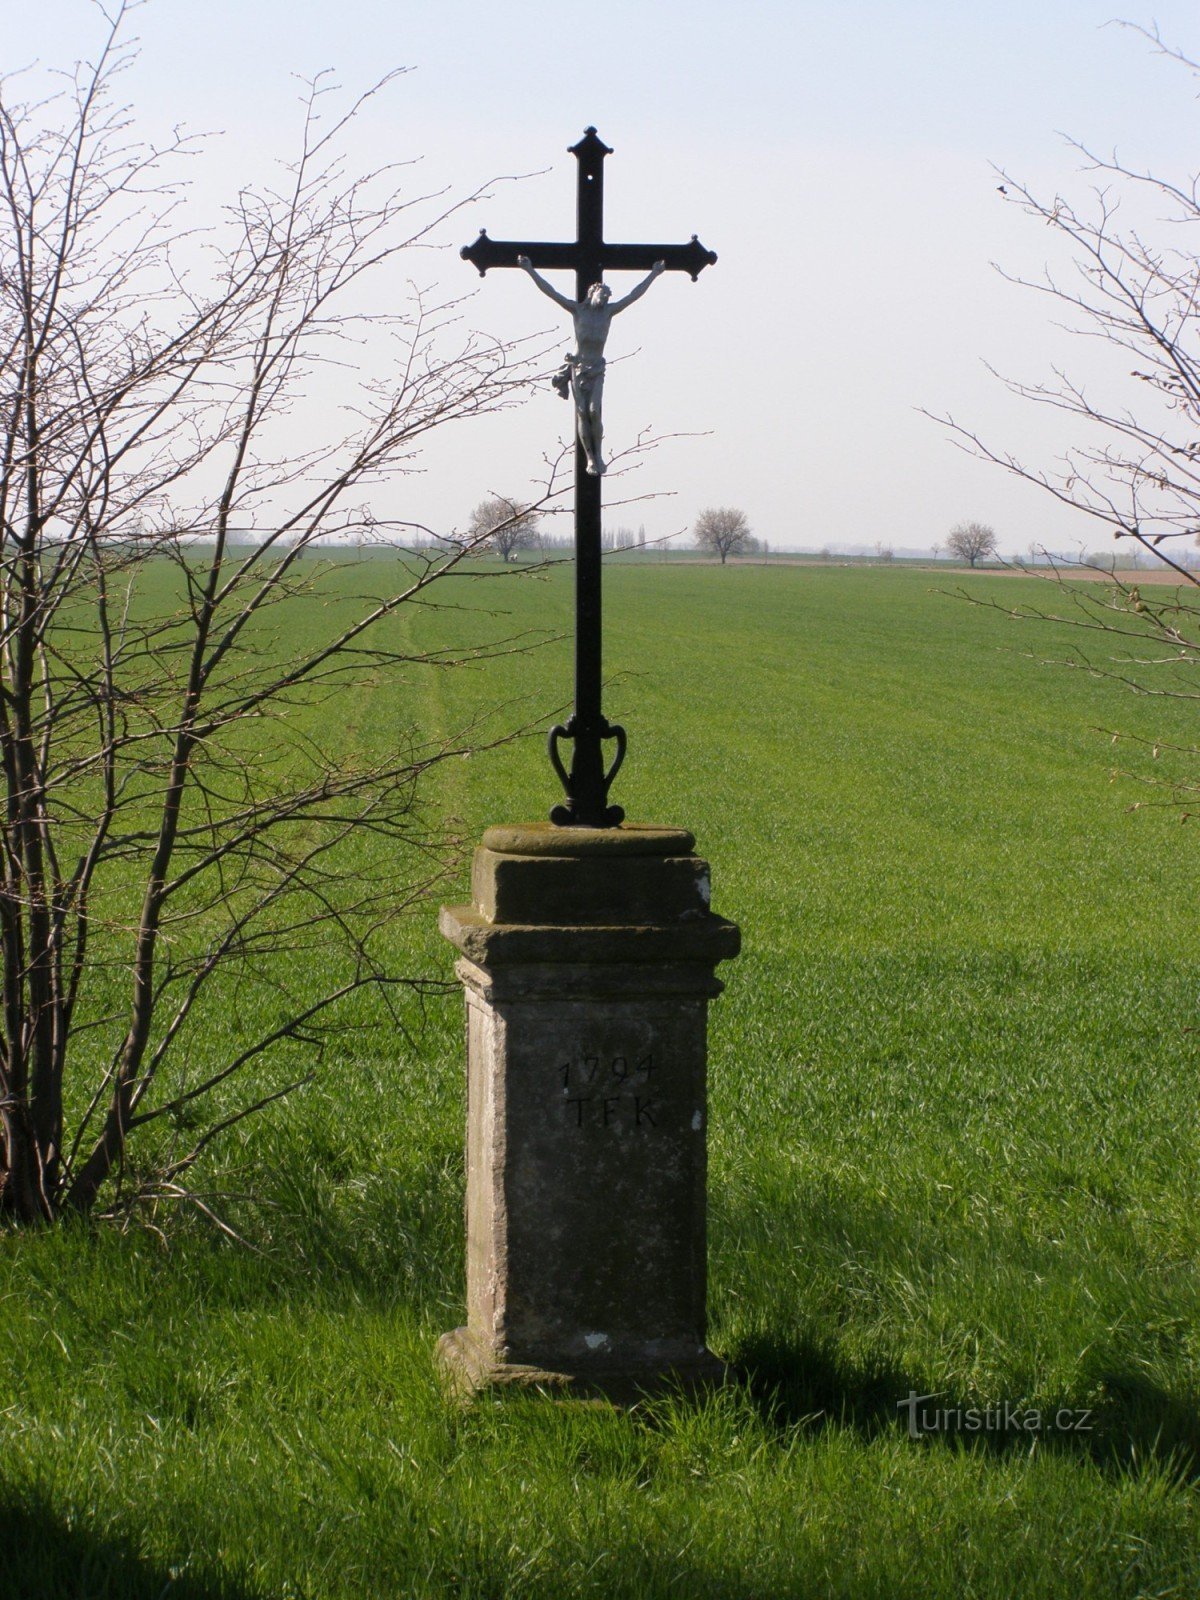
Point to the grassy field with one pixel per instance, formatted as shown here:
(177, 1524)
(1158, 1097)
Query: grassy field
(954, 1133)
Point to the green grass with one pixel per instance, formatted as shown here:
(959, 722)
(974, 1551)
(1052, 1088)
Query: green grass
(954, 1126)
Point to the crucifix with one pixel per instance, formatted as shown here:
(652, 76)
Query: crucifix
(587, 783)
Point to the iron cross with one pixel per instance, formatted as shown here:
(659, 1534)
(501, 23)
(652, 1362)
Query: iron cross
(587, 783)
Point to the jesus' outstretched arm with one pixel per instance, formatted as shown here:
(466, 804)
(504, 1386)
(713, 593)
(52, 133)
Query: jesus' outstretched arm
(639, 291)
(546, 288)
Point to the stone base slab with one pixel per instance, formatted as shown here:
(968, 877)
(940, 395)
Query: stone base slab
(587, 961)
(469, 1369)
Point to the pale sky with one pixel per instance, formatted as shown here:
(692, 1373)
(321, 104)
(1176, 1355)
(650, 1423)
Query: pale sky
(837, 156)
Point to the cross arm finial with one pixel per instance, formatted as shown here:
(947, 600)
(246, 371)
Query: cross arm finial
(486, 253)
(691, 258)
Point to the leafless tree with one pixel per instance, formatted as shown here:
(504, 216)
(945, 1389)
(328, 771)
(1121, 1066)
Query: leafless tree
(971, 542)
(502, 526)
(722, 530)
(1131, 289)
(169, 815)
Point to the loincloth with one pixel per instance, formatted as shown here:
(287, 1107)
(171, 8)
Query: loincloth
(582, 374)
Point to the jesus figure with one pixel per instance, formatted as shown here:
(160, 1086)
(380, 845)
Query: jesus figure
(583, 372)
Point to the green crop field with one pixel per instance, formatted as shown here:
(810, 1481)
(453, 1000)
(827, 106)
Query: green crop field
(954, 1126)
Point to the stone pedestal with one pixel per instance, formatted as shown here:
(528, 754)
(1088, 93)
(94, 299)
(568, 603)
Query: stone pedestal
(587, 959)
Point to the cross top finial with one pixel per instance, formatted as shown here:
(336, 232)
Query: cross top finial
(591, 148)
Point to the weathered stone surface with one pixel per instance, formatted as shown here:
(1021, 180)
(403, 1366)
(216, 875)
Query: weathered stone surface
(469, 1368)
(582, 844)
(588, 889)
(708, 939)
(586, 1117)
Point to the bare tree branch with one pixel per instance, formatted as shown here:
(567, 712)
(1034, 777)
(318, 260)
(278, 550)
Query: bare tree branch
(171, 814)
(1131, 287)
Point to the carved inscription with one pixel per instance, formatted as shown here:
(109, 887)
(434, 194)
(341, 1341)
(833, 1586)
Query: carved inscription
(609, 1092)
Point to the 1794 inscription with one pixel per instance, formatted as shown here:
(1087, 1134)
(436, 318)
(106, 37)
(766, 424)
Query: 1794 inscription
(609, 1092)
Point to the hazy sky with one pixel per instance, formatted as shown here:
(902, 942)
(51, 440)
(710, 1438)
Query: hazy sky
(838, 156)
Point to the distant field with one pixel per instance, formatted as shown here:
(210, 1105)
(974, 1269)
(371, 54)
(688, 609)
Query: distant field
(954, 1118)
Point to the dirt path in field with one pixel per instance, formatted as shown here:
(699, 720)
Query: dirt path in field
(1142, 576)
(1127, 575)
